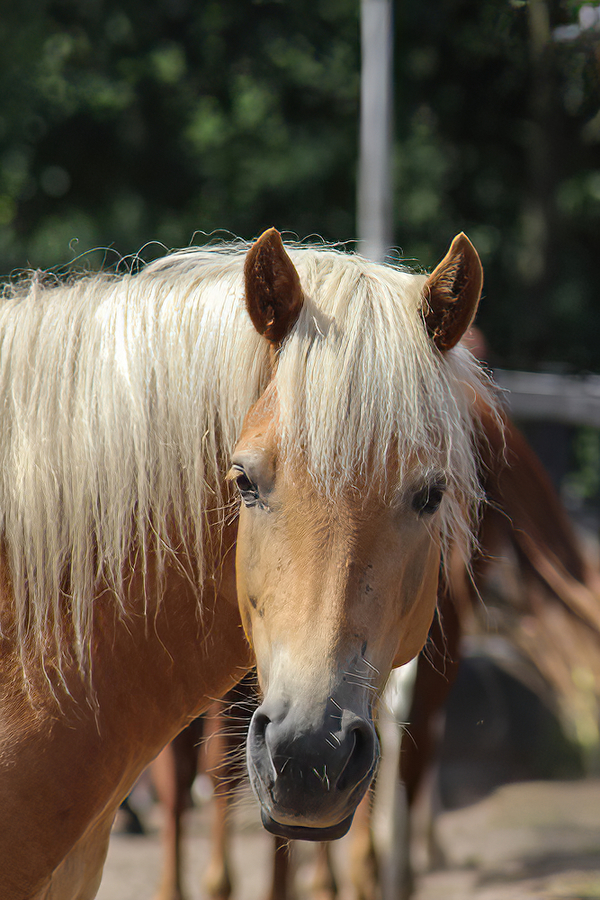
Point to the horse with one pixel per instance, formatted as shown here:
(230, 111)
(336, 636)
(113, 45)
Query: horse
(522, 518)
(236, 455)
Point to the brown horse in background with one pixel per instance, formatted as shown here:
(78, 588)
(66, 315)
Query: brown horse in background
(324, 397)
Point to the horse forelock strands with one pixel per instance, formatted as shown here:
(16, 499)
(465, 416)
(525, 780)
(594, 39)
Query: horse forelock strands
(121, 397)
(358, 376)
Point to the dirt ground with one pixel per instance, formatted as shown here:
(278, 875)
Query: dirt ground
(532, 840)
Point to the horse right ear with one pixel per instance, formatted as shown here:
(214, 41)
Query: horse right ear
(452, 293)
(273, 293)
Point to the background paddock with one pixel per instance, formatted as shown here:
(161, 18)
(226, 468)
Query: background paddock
(525, 841)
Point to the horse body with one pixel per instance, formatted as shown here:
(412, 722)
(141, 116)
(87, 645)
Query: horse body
(123, 401)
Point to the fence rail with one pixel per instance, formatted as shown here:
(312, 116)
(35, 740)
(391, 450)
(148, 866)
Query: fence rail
(568, 399)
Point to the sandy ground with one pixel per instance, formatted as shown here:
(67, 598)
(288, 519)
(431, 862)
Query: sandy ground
(533, 840)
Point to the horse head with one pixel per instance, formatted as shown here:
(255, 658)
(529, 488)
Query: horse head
(337, 582)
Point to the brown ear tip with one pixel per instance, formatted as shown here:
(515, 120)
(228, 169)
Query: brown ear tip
(270, 236)
(463, 244)
(268, 242)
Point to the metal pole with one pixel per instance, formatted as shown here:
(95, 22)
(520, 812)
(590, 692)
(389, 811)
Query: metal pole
(375, 151)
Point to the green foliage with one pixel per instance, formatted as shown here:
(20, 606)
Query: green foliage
(583, 484)
(123, 123)
(504, 143)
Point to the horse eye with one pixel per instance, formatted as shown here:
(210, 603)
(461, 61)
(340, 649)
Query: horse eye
(247, 488)
(428, 500)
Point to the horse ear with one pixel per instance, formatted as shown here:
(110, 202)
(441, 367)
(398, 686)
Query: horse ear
(273, 292)
(452, 293)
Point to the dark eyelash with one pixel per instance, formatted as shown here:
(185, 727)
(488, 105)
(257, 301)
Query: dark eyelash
(248, 489)
(429, 498)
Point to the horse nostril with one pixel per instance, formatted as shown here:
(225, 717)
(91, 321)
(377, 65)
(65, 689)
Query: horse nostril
(256, 741)
(258, 754)
(259, 724)
(362, 756)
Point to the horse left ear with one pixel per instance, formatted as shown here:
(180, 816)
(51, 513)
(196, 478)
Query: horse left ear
(273, 292)
(452, 292)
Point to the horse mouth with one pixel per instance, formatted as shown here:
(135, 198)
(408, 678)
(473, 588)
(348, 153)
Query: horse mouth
(303, 833)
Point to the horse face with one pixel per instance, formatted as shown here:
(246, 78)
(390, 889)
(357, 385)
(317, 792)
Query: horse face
(332, 594)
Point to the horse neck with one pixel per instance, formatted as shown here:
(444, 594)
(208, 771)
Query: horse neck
(151, 673)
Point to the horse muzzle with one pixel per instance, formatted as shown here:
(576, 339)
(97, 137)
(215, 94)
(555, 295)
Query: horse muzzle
(309, 776)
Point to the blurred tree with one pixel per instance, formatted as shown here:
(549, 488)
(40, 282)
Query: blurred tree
(123, 122)
(499, 134)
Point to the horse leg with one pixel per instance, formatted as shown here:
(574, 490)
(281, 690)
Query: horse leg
(436, 673)
(217, 879)
(281, 885)
(173, 772)
(364, 869)
(226, 725)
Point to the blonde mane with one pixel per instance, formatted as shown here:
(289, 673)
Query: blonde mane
(359, 376)
(123, 397)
